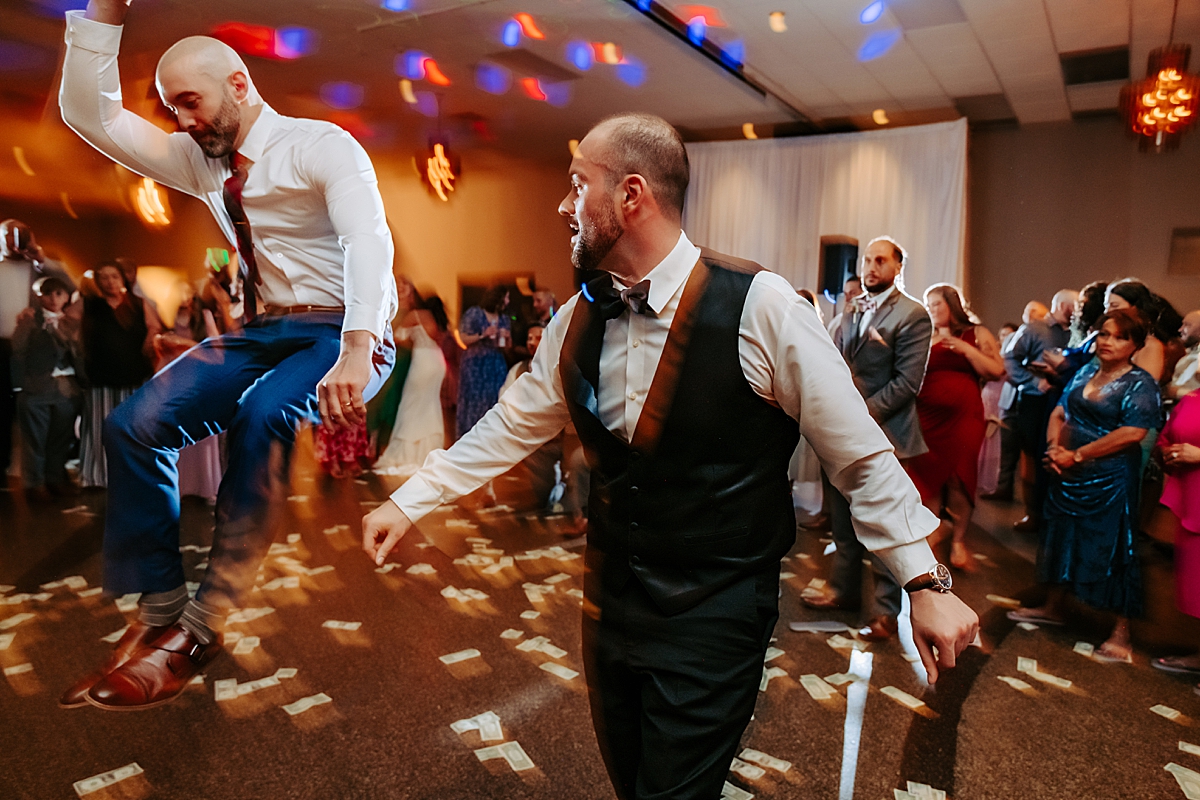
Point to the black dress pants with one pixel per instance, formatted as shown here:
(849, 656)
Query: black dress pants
(672, 695)
(8, 409)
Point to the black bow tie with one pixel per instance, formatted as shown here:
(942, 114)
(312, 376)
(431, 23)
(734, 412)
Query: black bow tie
(611, 303)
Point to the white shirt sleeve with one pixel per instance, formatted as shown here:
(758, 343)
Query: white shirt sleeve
(340, 167)
(790, 361)
(90, 99)
(529, 414)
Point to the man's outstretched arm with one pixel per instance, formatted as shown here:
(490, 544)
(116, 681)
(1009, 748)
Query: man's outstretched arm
(90, 99)
(527, 416)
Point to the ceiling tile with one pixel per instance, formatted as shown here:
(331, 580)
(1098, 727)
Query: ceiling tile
(1088, 24)
(1094, 96)
(953, 55)
(917, 14)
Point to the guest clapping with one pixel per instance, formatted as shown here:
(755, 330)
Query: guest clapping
(1088, 531)
(950, 407)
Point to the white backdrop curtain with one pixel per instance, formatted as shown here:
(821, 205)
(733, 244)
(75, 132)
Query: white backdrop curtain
(770, 200)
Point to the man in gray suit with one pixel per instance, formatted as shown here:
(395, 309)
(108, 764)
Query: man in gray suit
(884, 337)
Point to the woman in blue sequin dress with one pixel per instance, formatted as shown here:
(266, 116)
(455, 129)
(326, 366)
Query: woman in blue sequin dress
(1088, 546)
(487, 332)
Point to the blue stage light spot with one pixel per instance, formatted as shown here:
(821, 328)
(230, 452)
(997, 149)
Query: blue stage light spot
(395, 5)
(411, 64)
(877, 44)
(871, 13)
(557, 94)
(427, 104)
(342, 95)
(56, 8)
(581, 55)
(295, 42)
(492, 79)
(696, 31)
(632, 72)
(21, 57)
(734, 53)
(511, 35)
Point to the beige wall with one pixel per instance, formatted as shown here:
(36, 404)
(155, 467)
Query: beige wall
(1056, 206)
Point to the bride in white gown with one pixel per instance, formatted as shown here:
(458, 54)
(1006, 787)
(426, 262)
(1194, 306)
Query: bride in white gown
(419, 429)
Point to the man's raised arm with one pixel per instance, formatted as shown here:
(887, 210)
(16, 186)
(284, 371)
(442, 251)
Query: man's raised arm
(90, 99)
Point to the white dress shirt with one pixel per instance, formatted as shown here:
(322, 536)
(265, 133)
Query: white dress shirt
(319, 229)
(877, 300)
(787, 359)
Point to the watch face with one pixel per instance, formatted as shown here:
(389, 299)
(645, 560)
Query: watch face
(941, 575)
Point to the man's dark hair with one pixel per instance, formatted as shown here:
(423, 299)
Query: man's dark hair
(646, 145)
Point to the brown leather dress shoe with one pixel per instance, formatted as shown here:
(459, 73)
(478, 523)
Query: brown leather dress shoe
(825, 600)
(156, 674)
(880, 629)
(139, 634)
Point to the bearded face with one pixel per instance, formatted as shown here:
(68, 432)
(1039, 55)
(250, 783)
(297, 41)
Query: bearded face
(597, 232)
(216, 138)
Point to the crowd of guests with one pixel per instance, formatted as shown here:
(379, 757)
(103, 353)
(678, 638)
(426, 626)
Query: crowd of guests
(1089, 406)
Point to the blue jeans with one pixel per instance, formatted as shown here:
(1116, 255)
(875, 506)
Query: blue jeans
(259, 385)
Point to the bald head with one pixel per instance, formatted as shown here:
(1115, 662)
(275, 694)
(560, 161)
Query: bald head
(643, 144)
(1062, 306)
(1189, 331)
(206, 84)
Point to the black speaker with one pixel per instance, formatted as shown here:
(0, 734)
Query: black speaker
(839, 262)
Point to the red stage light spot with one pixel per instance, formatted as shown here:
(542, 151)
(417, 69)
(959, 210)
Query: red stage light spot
(711, 16)
(533, 89)
(434, 74)
(528, 26)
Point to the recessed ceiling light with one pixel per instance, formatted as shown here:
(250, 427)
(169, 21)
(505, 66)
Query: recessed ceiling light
(880, 116)
(871, 13)
(748, 130)
(777, 21)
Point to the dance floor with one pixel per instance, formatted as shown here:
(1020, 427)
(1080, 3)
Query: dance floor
(456, 675)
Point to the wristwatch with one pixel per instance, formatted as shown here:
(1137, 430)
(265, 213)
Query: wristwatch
(1078, 457)
(937, 579)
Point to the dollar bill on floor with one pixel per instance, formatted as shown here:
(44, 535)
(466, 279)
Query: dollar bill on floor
(283, 673)
(248, 615)
(421, 569)
(529, 645)
(731, 792)
(1188, 780)
(105, 779)
(225, 689)
(127, 603)
(16, 619)
(1015, 683)
(321, 570)
(559, 671)
(338, 625)
(19, 669)
(386, 568)
(772, 654)
(1085, 649)
(838, 678)
(305, 703)
(461, 655)
(919, 791)
(530, 614)
(511, 633)
(253, 686)
(817, 689)
(6, 640)
(750, 772)
(516, 756)
(1186, 747)
(820, 626)
(487, 723)
(246, 645)
(1026, 665)
(769, 674)
(1027, 626)
(1166, 712)
(488, 753)
(764, 760)
(903, 698)
(86, 593)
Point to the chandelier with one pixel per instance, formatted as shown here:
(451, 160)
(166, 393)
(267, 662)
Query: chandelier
(1162, 106)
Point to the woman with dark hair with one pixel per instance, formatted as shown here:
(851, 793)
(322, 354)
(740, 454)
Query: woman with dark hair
(962, 354)
(1087, 311)
(1129, 293)
(486, 332)
(1089, 522)
(117, 352)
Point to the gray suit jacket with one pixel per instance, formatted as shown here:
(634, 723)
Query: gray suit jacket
(888, 364)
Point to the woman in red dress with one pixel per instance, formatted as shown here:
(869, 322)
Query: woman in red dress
(963, 354)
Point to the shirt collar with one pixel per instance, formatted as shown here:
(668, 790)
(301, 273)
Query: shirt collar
(880, 298)
(670, 274)
(255, 142)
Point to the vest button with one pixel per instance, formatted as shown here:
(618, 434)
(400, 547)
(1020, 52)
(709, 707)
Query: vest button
(633, 490)
(633, 526)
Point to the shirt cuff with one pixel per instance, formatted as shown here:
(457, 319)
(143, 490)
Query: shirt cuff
(416, 498)
(908, 561)
(88, 34)
(364, 318)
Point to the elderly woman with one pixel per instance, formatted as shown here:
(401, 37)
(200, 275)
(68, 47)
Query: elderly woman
(1089, 522)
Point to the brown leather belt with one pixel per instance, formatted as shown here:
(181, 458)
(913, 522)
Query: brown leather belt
(283, 311)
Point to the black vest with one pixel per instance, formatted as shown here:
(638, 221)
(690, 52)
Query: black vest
(701, 496)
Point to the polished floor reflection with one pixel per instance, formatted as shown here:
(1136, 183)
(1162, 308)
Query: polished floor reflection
(455, 675)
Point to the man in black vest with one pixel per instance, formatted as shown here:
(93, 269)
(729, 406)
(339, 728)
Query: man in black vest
(683, 372)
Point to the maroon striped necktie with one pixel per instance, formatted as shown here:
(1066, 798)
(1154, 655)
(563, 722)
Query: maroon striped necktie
(240, 165)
